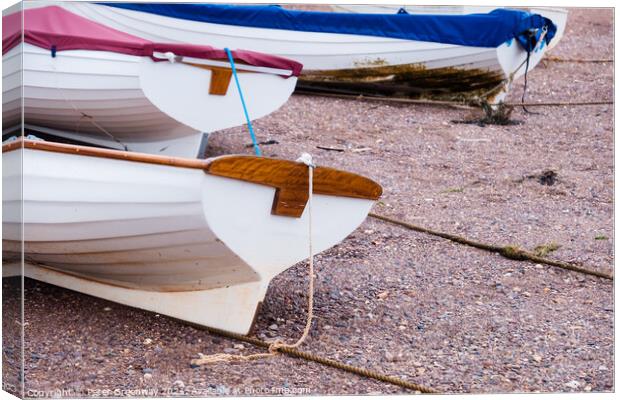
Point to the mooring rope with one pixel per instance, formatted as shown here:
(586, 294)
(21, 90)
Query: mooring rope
(245, 108)
(291, 351)
(451, 103)
(511, 252)
(577, 60)
(278, 344)
(527, 67)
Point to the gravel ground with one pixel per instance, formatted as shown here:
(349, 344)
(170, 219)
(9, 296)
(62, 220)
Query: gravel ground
(403, 303)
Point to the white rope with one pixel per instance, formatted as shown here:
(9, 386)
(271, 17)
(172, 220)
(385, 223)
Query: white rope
(278, 344)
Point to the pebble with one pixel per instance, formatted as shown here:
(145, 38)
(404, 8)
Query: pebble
(273, 327)
(178, 383)
(572, 384)
(147, 376)
(239, 346)
(392, 357)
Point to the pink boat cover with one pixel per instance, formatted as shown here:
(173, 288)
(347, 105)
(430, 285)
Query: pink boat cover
(57, 29)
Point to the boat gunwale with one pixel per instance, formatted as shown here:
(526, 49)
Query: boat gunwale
(289, 178)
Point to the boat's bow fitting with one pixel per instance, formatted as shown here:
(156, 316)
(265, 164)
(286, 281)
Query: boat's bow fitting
(290, 179)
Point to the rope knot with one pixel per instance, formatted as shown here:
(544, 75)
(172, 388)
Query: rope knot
(306, 158)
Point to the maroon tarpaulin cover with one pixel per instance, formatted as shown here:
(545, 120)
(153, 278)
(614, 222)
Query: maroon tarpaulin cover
(57, 29)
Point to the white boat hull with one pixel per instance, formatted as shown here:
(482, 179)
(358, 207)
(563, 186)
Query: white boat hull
(168, 239)
(158, 107)
(325, 54)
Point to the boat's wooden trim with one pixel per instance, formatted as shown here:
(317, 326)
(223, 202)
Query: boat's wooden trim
(289, 178)
(220, 78)
(104, 153)
(291, 181)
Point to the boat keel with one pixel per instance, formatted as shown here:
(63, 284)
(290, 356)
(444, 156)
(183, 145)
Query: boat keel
(230, 308)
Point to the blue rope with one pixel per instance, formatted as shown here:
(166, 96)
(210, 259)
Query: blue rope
(245, 109)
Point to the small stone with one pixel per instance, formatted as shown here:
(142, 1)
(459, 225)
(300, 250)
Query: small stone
(107, 309)
(147, 370)
(588, 388)
(526, 294)
(420, 370)
(383, 295)
(391, 357)
(273, 327)
(178, 383)
(572, 384)
(148, 376)
(537, 358)
(602, 368)
(147, 341)
(239, 346)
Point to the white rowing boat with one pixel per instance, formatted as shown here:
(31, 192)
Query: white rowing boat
(346, 52)
(198, 240)
(559, 16)
(80, 76)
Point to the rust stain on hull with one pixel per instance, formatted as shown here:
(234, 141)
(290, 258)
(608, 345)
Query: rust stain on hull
(407, 80)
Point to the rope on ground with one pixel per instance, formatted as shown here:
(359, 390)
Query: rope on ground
(278, 344)
(511, 252)
(403, 100)
(291, 351)
(449, 103)
(561, 103)
(577, 60)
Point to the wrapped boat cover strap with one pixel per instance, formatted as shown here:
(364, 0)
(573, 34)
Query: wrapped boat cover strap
(479, 30)
(57, 29)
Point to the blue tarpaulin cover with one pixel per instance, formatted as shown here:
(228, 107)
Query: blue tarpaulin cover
(479, 30)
